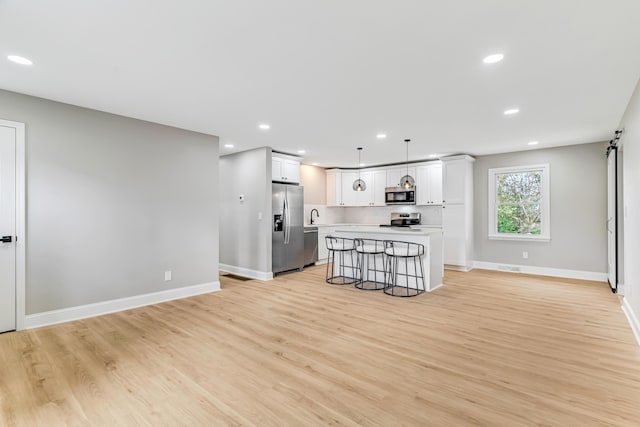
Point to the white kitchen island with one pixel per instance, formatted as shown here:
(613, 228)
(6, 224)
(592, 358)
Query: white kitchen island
(431, 238)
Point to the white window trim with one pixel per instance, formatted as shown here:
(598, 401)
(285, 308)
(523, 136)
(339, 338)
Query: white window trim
(545, 226)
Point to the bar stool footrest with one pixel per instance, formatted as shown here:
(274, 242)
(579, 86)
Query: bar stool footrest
(341, 280)
(402, 291)
(370, 285)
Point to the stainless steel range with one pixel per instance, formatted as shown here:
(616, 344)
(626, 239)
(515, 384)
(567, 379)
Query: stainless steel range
(403, 219)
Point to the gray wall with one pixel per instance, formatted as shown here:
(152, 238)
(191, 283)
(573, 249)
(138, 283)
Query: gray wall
(631, 175)
(578, 185)
(245, 240)
(112, 203)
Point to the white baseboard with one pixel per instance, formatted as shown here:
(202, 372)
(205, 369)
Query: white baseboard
(542, 271)
(462, 268)
(632, 318)
(436, 287)
(97, 309)
(246, 272)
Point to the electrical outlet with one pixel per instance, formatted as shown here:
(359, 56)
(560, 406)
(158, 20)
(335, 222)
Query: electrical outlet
(167, 276)
(259, 216)
(525, 255)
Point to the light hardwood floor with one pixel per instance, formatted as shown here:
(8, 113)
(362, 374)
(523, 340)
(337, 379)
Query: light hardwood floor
(488, 348)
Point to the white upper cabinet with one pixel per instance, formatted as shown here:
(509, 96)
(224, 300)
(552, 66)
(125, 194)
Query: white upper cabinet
(340, 190)
(396, 173)
(379, 184)
(285, 169)
(349, 197)
(334, 187)
(454, 185)
(429, 184)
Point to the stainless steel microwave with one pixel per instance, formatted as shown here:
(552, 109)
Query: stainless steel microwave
(399, 196)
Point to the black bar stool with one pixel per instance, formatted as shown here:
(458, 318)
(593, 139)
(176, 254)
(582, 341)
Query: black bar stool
(395, 253)
(366, 251)
(344, 248)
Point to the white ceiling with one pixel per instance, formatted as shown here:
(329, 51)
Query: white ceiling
(329, 75)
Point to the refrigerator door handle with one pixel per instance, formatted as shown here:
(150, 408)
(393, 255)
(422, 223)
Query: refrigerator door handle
(288, 224)
(284, 219)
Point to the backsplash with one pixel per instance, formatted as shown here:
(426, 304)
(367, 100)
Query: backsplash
(327, 214)
(431, 215)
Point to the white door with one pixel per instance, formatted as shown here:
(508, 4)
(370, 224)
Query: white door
(7, 228)
(612, 237)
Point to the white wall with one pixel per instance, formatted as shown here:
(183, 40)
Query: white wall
(245, 240)
(112, 203)
(631, 199)
(578, 185)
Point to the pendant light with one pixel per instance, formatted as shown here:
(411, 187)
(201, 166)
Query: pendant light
(407, 182)
(358, 184)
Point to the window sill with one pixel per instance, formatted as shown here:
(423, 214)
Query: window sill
(520, 238)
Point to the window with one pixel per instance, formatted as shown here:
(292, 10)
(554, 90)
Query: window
(519, 203)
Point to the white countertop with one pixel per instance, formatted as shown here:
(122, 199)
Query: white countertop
(439, 227)
(388, 230)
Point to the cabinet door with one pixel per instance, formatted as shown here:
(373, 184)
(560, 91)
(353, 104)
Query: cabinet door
(423, 183)
(454, 230)
(349, 197)
(395, 174)
(454, 178)
(379, 184)
(277, 169)
(334, 188)
(292, 171)
(365, 198)
(435, 184)
(323, 232)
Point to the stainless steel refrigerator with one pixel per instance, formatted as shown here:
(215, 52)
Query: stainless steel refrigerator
(287, 228)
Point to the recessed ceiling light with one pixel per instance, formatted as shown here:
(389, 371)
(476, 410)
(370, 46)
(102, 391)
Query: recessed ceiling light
(492, 59)
(228, 145)
(433, 155)
(511, 111)
(301, 151)
(264, 126)
(314, 164)
(363, 164)
(533, 143)
(19, 60)
(381, 135)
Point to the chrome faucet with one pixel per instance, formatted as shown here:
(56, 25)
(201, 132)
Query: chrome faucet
(317, 215)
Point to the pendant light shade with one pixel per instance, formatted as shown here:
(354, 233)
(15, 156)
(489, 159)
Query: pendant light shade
(358, 184)
(407, 182)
